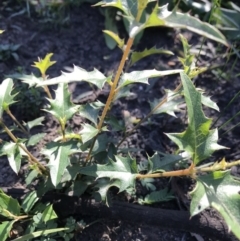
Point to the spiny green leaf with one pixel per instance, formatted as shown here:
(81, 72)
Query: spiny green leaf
(163, 162)
(160, 16)
(77, 75)
(197, 140)
(5, 228)
(103, 185)
(44, 64)
(34, 139)
(61, 107)
(221, 191)
(37, 122)
(168, 107)
(58, 154)
(120, 170)
(6, 99)
(136, 56)
(88, 132)
(183, 20)
(14, 155)
(90, 112)
(208, 102)
(31, 80)
(48, 214)
(143, 76)
(8, 205)
(157, 196)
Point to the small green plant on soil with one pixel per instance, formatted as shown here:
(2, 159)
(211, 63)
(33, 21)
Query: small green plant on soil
(91, 160)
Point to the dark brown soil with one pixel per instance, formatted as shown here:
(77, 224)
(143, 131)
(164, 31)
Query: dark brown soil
(81, 42)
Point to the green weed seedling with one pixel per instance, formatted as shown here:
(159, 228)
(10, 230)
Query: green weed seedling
(72, 162)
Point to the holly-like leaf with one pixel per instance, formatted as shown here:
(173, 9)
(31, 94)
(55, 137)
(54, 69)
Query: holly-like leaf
(120, 170)
(206, 100)
(157, 196)
(168, 107)
(197, 140)
(136, 56)
(143, 76)
(8, 205)
(77, 75)
(163, 162)
(31, 80)
(61, 107)
(124, 5)
(103, 185)
(219, 190)
(37, 122)
(14, 154)
(58, 155)
(160, 16)
(90, 112)
(6, 99)
(88, 132)
(34, 139)
(44, 64)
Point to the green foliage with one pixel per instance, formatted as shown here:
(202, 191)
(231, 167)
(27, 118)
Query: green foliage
(93, 159)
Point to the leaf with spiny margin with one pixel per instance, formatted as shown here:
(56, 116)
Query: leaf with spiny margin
(34, 139)
(77, 75)
(120, 170)
(157, 196)
(168, 107)
(61, 107)
(165, 162)
(88, 132)
(160, 16)
(103, 185)
(6, 99)
(136, 56)
(90, 112)
(198, 141)
(207, 101)
(58, 155)
(219, 190)
(116, 38)
(37, 122)
(143, 76)
(127, 6)
(44, 64)
(14, 154)
(8, 205)
(31, 80)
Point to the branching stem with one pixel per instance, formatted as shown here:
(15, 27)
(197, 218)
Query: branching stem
(112, 92)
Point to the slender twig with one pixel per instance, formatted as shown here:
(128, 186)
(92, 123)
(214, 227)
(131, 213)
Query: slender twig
(112, 92)
(17, 122)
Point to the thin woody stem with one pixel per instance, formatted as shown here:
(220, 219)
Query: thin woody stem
(112, 92)
(17, 122)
